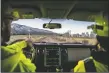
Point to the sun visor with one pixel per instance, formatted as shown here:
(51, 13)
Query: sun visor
(82, 16)
(26, 13)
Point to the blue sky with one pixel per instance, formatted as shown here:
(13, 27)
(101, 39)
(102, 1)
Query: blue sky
(74, 26)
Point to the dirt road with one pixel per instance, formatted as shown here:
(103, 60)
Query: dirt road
(50, 39)
(53, 39)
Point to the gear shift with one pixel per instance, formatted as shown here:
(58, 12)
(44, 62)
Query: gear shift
(59, 69)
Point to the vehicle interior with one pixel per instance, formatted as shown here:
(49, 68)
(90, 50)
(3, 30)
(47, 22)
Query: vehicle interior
(51, 55)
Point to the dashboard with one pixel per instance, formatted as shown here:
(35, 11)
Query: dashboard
(50, 56)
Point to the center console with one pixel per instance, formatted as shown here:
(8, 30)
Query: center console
(52, 57)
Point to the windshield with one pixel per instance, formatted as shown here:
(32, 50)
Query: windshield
(71, 32)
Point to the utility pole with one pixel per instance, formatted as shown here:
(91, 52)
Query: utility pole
(29, 33)
(69, 31)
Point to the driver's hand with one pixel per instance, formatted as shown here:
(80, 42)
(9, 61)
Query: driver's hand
(29, 50)
(29, 41)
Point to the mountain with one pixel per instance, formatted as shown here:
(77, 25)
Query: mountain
(17, 29)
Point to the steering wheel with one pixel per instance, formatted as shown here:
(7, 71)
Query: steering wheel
(29, 51)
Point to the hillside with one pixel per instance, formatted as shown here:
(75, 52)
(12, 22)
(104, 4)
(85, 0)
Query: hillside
(17, 29)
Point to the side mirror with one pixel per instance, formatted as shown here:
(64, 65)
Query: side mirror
(52, 25)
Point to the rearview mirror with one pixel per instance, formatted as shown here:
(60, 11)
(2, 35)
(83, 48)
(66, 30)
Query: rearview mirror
(52, 25)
